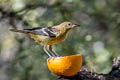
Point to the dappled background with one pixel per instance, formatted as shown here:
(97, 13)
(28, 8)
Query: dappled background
(97, 39)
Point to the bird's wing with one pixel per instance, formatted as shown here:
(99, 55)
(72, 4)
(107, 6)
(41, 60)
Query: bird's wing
(45, 31)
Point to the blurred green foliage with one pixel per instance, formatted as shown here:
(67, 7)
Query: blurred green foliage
(98, 38)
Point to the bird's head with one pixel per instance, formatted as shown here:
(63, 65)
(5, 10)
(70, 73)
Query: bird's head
(64, 27)
(68, 25)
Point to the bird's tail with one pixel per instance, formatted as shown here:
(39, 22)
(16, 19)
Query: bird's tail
(21, 31)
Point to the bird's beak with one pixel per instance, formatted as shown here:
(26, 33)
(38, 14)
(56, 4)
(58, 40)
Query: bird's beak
(76, 25)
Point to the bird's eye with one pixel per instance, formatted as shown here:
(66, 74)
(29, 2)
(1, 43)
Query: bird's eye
(69, 24)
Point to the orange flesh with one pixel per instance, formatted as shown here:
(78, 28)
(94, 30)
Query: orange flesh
(66, 66)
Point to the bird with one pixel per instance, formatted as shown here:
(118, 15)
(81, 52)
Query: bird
(49, 36)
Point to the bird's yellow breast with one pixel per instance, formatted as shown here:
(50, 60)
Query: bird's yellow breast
(56, 40)
(45, 40)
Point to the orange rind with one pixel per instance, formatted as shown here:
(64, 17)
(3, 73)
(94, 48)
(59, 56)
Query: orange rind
(66, 65)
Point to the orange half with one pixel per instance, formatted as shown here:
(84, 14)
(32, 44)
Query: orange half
(66, 65)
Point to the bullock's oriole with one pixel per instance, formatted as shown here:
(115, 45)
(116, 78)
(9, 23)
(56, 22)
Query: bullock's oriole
(48, 36)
